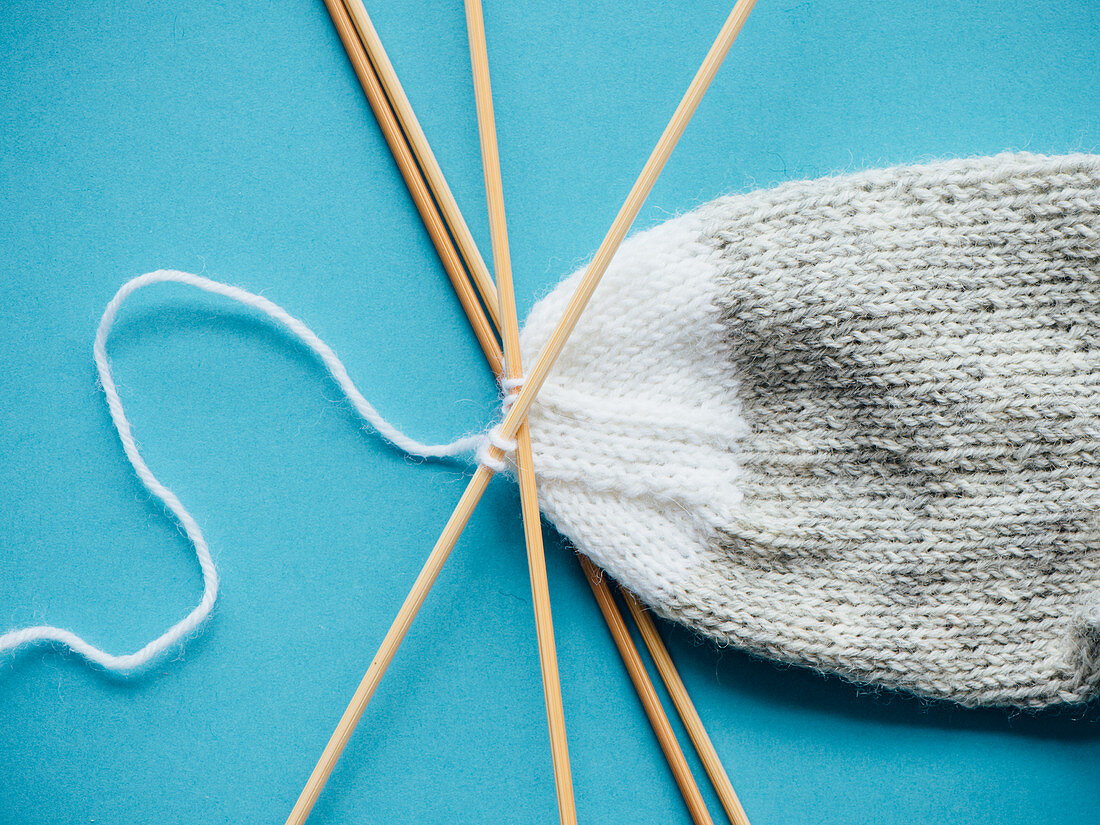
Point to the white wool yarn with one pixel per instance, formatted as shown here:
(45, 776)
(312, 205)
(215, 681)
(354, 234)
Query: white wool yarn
(852, 423)
(45, 634)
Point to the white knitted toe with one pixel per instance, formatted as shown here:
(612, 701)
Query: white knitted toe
(634, 428)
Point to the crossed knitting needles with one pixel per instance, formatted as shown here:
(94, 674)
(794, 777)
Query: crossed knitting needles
(494, 311)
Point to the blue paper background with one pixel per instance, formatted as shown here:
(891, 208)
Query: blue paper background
(232, 139)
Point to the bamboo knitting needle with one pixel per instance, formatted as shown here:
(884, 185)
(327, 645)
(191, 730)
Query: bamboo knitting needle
(627, 213)
(419, 143)
(390, 643)
(690, 716)
(532, 518)
(502, 265)
(657, 718)
(508, 427)
(444, 245)
(379, 104)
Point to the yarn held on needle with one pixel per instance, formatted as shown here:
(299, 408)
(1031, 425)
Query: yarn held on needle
(852, 423)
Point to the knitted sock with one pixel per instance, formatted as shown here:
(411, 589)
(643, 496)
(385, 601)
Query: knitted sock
(852, 423)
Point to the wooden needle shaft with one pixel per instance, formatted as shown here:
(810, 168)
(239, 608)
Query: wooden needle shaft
(657, 718)
(390, 643)
(391, 130)
(518, 413)
(536, 558)
(688, 714)
(419, 142)
(532, 520)
(552, 348)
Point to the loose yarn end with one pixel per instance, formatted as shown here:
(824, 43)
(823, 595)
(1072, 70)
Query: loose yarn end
(45, 634)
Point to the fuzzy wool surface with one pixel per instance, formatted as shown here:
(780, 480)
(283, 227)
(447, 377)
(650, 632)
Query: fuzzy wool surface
(852, 423)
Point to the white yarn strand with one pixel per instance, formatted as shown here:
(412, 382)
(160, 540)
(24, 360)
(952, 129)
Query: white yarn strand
(510, 388)
(131, 661)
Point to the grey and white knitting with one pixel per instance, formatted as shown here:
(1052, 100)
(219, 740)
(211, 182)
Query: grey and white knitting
(852, 423)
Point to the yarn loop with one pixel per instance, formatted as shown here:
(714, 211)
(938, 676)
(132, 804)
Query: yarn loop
(510, 389)
(128, 662)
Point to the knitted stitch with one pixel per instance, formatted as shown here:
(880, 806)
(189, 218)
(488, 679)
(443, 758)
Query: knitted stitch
(852, 423)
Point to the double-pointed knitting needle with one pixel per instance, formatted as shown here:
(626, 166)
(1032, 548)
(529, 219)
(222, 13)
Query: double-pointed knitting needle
(391, 130)
(610, 611)
(419, 143)
(525, 467)
(533, 528)
(380, 104)
(686, 708)
(518, 413)
(657, 717)
(536, 557)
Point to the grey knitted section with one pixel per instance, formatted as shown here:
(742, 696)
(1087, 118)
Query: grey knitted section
(917, 352)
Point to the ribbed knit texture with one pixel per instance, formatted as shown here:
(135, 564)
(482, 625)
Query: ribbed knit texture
(853, 423)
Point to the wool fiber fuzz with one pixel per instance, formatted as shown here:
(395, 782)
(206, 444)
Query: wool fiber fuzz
(128, 662)
(852, 423)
